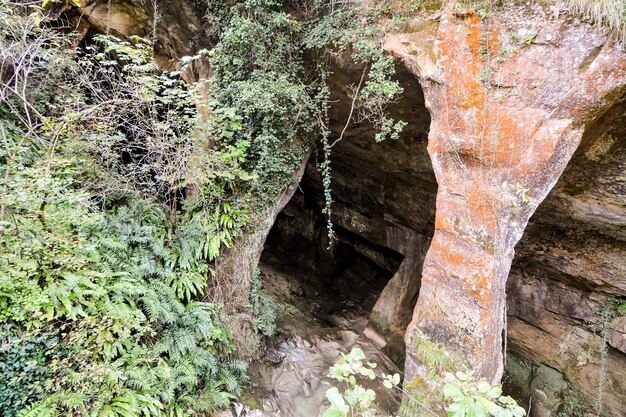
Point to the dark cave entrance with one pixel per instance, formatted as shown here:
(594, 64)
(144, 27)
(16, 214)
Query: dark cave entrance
(383, 215)
(347, 276)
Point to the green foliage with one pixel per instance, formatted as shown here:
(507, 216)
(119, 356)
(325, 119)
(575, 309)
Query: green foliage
(570, 404)
(103, 268)
(264, 309)
(355, 400)
(260, 70)
(129, 338)
(22, 366)
(353, 32)
(122, 184)
(465, 396)
(470, 398)
(437, 357)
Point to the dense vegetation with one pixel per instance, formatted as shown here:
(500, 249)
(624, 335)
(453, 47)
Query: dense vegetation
(121, 185)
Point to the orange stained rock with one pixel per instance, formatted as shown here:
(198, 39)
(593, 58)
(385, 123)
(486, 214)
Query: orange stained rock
(543, 147)
(457, 260)
(471, 215)
(494, 134)
(483, 145)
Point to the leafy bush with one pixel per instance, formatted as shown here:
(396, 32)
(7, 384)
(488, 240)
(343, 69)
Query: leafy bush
(355, 400)
(465, 396)
(122, 184)
(102, 267)
(469, 397)
(23, 368)
(260, 70)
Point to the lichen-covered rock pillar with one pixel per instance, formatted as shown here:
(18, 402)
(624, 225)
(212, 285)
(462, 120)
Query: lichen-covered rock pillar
(506, 119)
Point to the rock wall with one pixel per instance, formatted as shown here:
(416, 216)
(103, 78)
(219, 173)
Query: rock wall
(180, 27)
(571, 258)
(510, 95)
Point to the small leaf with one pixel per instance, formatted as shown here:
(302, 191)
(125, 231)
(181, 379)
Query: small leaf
(395, 379)
(336, 400)
(452, 391)
(483, 386)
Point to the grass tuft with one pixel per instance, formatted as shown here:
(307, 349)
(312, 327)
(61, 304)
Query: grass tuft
(610, 13)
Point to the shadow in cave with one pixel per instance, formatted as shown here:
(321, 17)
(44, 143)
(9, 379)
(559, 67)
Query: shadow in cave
(333, 283)
(362, 291)
(383, 216)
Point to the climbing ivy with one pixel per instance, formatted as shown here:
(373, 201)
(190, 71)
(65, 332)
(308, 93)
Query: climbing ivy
(121, 185)
(275, 70)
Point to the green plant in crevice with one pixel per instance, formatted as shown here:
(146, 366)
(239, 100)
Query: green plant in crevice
(264, 309)
(570, 404)
(612, 307)
(437, 357)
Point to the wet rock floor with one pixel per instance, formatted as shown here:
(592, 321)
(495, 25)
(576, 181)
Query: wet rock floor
(321, 317)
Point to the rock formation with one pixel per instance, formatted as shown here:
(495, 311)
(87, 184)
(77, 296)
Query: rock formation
(504, 126)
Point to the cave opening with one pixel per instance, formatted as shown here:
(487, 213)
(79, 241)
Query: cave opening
(367, 280)
(346, 276)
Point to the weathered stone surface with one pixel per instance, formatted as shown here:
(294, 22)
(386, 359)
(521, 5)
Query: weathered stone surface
(180, 30)
(235, 266)
(570, 259)
(292, 376)
(501, 135)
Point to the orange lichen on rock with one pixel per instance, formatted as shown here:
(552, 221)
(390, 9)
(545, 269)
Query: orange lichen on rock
(496, 154)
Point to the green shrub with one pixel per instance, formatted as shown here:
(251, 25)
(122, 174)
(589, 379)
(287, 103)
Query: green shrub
(23, 368)
(102, 270)
(264, 309)
(465, 396)
(470, 397)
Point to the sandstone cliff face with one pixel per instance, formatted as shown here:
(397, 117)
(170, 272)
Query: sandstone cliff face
(570, 259)
(505, 125)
